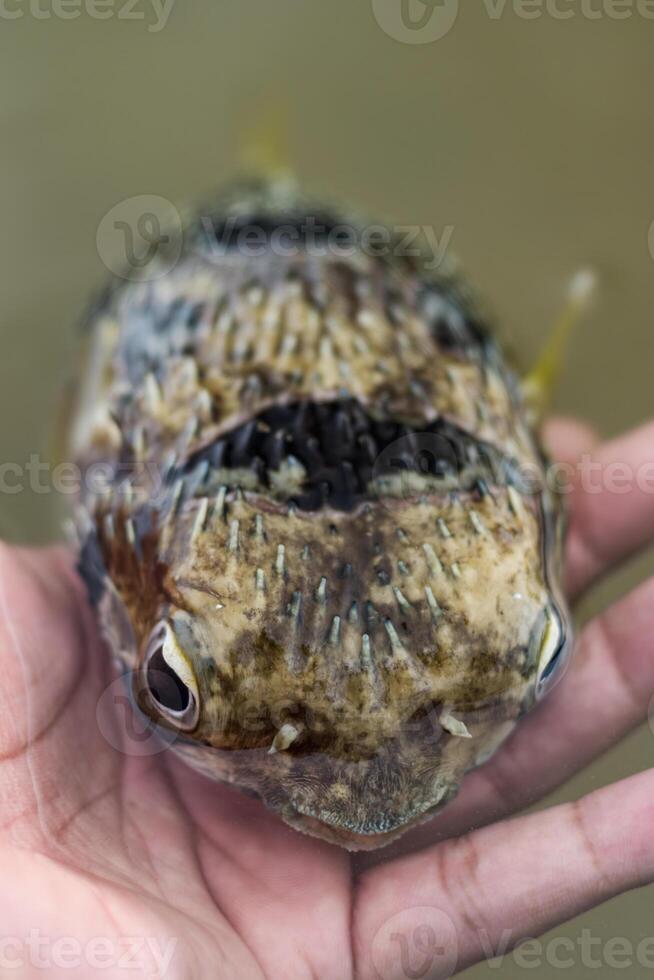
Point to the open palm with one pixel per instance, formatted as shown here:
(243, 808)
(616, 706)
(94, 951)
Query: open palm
(114, 857)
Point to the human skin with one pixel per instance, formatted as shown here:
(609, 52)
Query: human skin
(97, 841)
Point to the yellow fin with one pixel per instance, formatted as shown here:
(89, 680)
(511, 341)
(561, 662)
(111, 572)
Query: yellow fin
(541, 381)
(264, 142)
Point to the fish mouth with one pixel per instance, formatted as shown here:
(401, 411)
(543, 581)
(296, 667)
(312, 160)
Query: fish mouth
(348, 839)
(376, 830)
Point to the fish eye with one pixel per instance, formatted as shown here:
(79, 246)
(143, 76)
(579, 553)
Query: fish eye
(554, 648)
(169, 679)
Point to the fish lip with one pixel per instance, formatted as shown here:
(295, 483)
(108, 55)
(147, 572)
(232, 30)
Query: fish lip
(390, 825)
(353, 839)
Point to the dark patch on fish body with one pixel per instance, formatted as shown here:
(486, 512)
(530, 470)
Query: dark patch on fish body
(90, 566)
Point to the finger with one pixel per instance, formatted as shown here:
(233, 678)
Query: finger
(611, 506)
(52, 754)
(606, 693)
(483, 893)
(566, 439)
(41, 659)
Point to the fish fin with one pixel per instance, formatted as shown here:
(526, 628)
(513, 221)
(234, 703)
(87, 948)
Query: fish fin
(540, 383)
(264, 142)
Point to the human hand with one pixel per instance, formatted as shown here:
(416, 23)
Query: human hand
(101, 842)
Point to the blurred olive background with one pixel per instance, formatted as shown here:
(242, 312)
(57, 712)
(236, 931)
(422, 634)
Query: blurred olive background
(531, 138)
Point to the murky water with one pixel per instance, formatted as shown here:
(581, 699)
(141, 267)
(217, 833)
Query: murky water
(528, 140)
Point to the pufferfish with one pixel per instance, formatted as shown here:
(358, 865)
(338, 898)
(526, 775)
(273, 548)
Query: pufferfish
(315, 521)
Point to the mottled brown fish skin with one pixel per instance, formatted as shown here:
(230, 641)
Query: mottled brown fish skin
(314, 519)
